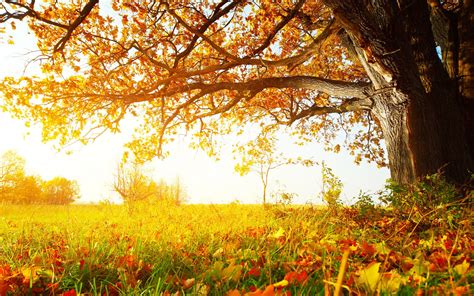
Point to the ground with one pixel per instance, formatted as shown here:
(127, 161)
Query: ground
(163, 249)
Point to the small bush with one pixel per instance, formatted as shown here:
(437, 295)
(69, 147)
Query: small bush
(431, 200)
(364, 204)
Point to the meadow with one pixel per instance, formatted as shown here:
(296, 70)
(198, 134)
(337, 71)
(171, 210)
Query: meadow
(234, 249)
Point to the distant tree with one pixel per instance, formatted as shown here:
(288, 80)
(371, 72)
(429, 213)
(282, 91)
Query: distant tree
(178, 191)
(12, 171)
(259, 156)
(17, 187)
(11, 164)
(26, 190)
(60, 190)
(132, 184)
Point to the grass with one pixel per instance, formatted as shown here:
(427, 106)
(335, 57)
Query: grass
(227, 250)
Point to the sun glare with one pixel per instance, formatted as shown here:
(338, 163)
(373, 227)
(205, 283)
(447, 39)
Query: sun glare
(205, 179)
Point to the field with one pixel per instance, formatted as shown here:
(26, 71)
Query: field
(229, 250)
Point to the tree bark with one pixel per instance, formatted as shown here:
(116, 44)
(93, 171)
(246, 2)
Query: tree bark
(415, 101)
(466, 67)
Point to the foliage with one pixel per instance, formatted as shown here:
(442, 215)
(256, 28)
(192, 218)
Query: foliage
(428, 201)
(209, 69)
(332, 186)
(60, 190)
(212, 250)
(364, 204)
(429, 193)
(284, 198)
(16, 187)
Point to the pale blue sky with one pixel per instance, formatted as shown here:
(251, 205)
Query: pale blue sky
(206, 180)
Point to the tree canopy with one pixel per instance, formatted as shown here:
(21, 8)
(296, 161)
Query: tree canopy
(210, 67)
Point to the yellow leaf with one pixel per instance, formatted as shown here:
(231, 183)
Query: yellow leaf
(462, 268)
(279, 233)
(218, 253)
(281, 284)
(232, 272)
(370, 276)
(390, 282)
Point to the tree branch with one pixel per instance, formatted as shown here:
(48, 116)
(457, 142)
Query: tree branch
(30, 12)
(82, 16)
(218, 13)
(348, 105)
(279, 26)
(335, 88)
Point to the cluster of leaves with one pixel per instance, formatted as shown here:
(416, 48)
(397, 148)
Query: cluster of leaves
(210, 250)
(18, 187)
(332, 186)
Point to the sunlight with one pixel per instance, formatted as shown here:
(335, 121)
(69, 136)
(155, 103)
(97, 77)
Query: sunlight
(236, 148)
(206, 180)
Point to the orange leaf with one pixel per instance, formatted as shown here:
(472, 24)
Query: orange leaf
(234, 292)
(188, 283)
(269, 291)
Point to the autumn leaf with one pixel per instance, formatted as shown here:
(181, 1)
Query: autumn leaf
(234, 292)
(462, 268)
(281, 284)
(71, 292)
(370, 276)
(232, 272)
(296, 277)
(254, 272)
(279, 233)
(391, 282)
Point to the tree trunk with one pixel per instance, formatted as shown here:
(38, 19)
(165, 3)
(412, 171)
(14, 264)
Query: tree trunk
(415, 100)
(466, 67)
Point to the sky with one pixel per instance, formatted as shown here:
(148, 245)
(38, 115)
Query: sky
(205, 179)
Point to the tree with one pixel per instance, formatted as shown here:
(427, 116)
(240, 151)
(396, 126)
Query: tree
(17, 187)
(132, 184)
(179, 191)
(12, 172)
(370, 68)
(26, 190)
(259, 156)
(11, 164)
(60, 191)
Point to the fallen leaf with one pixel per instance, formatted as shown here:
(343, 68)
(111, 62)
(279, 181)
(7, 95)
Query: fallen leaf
(281, 284)
(370, 276)
(462, 268)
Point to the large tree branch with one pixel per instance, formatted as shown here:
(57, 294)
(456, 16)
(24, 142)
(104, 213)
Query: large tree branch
(28, 11)
(335, 88)
(289, 62)
(348, 105)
